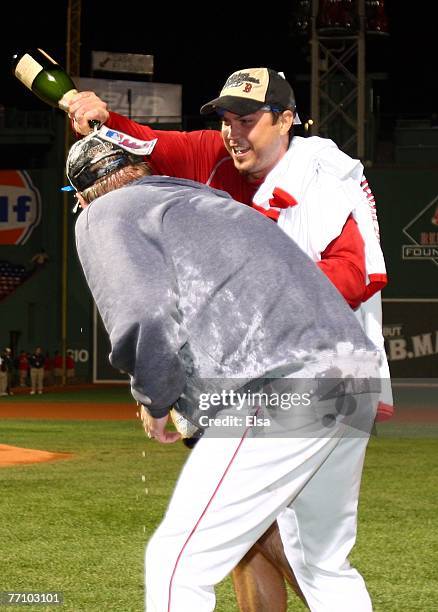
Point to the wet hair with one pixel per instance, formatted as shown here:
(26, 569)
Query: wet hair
(120, 178)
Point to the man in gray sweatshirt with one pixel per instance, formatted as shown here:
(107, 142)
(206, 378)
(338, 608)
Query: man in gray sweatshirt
(208, 303)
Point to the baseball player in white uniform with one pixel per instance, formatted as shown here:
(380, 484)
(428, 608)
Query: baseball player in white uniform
(208, 303)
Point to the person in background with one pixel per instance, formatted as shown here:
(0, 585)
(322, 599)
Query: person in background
(58, 367)
(70, 367)
(8, 369)
(48, 370)
(3, 376)
(22, 365)
(36, 362)
(40, 259)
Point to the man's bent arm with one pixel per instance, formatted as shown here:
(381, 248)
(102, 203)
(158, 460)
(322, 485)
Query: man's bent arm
(343, 261)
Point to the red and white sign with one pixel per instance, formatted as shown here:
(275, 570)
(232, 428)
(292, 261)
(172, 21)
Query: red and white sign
(20, 206)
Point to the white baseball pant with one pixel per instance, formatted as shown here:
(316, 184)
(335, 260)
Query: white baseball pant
(231, 490)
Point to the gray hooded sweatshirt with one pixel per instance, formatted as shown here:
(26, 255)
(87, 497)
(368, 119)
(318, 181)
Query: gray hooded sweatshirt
(194, 287)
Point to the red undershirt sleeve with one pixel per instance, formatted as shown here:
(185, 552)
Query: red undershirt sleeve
(343, 261)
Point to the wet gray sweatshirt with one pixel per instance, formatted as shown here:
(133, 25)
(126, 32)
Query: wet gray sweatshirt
(193, 286)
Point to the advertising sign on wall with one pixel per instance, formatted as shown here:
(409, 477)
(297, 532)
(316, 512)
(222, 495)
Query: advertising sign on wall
(20, 207)
(422, 233)
(411, 337)
(137, 63)
(141, 101)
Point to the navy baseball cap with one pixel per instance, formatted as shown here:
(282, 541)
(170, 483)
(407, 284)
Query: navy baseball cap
(251, 89)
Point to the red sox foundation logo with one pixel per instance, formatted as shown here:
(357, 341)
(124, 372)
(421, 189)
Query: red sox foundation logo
(20, 208)
(422, 233)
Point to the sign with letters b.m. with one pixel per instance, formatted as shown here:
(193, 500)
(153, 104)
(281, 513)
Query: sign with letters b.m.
(411, 337)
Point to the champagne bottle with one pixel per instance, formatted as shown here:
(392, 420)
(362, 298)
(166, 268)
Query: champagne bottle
(190, 433)
(46, 78)
(185, 427)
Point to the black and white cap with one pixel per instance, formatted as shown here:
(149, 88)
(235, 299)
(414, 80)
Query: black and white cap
(101, 153)
(251, 89)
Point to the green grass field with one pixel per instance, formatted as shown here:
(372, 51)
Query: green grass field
(79, 526)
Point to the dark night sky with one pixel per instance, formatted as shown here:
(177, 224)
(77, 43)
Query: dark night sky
(199, 49)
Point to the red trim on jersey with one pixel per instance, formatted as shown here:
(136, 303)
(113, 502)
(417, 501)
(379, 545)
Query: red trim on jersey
(384, 412)
(282, 199)
(268, 212)
(376, 283)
